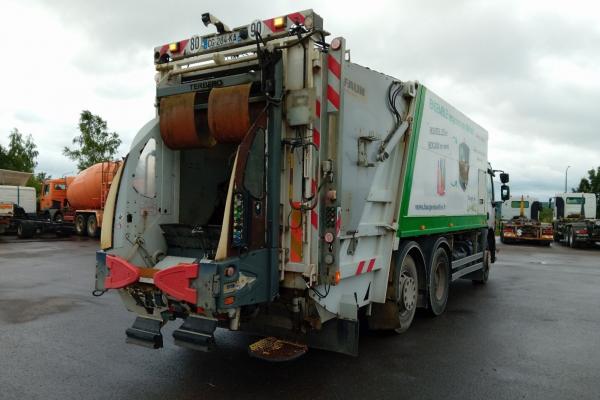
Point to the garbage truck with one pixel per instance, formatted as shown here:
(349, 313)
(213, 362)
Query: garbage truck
(521, 222)
(286, 191)
(576, 221)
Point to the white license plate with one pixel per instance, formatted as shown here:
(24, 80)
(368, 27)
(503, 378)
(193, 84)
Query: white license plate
(221, 40)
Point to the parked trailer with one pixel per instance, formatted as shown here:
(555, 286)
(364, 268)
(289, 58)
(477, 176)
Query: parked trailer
(284, 190)
(13, 197)
(521, 224)
(575, 219)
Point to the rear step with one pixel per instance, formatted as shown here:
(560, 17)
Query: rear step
(145, 332)
(196, 333)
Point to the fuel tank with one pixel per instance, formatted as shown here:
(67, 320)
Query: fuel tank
(90, 187)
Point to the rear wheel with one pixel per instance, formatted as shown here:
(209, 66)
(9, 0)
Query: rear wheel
(80, 224)
(439, 282)
(407, 289)
(25, 230)
(572, 239)
(92, 226)
(485, 270)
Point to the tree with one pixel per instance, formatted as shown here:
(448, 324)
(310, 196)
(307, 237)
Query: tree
(95, 144)
(591, 184)
(37, 180)
(20, 155)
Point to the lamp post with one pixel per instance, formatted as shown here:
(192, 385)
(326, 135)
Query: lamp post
(566, 171)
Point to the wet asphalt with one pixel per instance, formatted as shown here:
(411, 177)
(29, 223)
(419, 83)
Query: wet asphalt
(532, 333)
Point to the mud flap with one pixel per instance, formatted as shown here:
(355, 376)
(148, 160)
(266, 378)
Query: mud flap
(196, 334)
(145, 332)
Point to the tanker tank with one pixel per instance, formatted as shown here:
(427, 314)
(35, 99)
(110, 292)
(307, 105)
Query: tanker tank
(90, 187)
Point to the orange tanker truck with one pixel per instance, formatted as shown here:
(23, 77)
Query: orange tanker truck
(79, 199)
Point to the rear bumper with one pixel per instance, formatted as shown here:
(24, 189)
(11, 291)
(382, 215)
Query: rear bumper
(212, 286)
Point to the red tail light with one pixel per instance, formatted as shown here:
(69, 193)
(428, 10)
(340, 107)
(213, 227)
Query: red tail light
(581, 231)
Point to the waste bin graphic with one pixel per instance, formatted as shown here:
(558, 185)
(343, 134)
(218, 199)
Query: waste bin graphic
(441, 177)
(463, 165)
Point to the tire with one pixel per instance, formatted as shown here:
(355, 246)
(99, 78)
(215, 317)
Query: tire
(485, 270)
(81, 225)
(439, 282)
(58, 217)
(25, 230)
(406, 282)
(572, 239)
(92, 226)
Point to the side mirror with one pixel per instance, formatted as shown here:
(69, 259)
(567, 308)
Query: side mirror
(504, 177)
(504, 192)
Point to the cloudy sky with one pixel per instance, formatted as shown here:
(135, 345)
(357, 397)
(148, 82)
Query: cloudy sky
(527, 71)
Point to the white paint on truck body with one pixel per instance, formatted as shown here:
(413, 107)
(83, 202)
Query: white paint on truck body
(22, 196)
(451, 154)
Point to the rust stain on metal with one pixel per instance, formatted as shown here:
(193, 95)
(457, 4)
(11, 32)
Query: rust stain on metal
(229, 113)
(179, 123)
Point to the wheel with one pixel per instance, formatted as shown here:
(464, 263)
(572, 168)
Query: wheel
(439, 282)
(485, 270)
(555, 235)
(58, 217)
(92, 226)
(572, 239)
(25, 230)
(81, 224)
(407, 288)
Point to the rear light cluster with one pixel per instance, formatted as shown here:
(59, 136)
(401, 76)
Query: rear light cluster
(237, 239)
(547, 231)
(583, 231)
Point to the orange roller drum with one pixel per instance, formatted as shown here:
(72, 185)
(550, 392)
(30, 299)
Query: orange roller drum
(181, 125)
(229, 113)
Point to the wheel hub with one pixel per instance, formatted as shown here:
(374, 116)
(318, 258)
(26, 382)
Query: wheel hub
(408, 295)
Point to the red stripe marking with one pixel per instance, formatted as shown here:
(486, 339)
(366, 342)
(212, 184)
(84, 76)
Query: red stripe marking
(334, 66)
(371, 265)
(182, 45)
(338, 224)
(333, 97)
(164, 49)
(361, 265)
(270, 24)
(313, 186)
(316, 137)
(314, 219)
(318, 109)
(296, 18)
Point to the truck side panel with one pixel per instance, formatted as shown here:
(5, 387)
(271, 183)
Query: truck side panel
(447, 161)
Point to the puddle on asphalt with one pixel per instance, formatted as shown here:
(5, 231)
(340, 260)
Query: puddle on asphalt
(17, 311)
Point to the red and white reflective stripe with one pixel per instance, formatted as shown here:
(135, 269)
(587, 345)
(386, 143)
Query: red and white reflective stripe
(314, 215)
(334, 77)
(180, 50)
(338, 222)
(361, 266)
(292, 19)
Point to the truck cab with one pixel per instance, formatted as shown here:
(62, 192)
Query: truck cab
(575, 219)
(53, 198)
